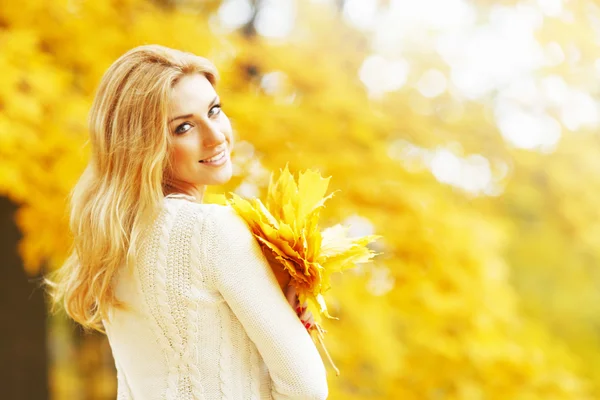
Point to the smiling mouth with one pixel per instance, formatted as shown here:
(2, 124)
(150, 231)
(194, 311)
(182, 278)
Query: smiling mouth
(214, 158)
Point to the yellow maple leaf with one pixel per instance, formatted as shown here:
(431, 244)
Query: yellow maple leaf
(287, 228)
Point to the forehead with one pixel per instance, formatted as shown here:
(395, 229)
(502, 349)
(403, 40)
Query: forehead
(191, 93)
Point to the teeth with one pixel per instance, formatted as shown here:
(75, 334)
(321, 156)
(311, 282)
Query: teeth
(215, 158)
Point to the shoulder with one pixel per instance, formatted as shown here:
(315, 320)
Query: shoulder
(216, 212)
(219, 220)
(205, 211)
(213, 221)
(226, 239)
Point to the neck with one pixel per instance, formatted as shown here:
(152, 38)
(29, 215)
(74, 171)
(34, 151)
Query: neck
(196, 192)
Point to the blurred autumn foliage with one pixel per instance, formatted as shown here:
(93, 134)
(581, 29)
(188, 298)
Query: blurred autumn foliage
(483, 292)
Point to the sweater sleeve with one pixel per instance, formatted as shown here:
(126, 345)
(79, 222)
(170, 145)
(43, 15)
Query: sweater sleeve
(242, 275)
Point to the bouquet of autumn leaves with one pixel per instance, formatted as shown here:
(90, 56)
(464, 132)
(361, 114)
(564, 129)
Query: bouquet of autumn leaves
(287, 228)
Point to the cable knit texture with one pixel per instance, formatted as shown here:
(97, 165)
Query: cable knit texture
(207, 318)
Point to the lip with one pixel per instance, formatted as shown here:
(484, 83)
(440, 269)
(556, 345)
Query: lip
(218, 162)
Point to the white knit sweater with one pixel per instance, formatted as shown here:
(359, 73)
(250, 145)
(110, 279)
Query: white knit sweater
(208, 319)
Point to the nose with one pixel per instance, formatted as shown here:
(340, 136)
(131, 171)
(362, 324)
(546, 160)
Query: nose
(212, 135)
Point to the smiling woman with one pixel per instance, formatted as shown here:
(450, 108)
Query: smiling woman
(202, 138)
(190, 304)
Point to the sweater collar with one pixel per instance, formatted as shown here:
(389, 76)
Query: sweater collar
(180, 196)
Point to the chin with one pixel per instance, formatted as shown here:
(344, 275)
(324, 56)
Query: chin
(221, 176)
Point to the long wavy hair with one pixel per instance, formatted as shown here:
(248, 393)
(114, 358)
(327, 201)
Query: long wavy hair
(121, 190)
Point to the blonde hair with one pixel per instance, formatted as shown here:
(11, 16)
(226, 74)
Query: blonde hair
(121, 190)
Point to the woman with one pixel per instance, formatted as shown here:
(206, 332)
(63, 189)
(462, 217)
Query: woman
(190, 305)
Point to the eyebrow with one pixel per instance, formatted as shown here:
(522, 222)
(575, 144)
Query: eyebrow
(212, 103)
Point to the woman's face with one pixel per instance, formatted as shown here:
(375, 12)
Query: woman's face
(202, 137)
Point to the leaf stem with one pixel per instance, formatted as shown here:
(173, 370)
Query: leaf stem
(319, 332)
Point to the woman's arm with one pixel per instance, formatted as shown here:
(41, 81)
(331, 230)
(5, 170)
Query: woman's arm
(244, 278)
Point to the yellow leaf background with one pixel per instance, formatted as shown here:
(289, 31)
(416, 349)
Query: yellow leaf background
(476, 296)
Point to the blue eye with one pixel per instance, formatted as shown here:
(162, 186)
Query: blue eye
(180, 130)
(217, 107)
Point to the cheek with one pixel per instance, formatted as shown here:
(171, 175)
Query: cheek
(182, 155)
